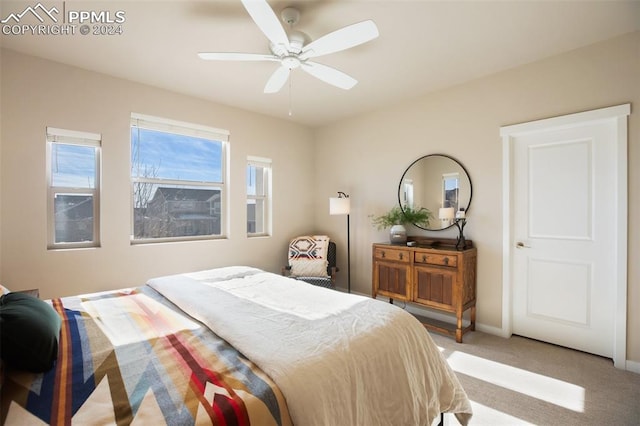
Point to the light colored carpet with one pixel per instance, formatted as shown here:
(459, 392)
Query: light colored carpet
(519, 381)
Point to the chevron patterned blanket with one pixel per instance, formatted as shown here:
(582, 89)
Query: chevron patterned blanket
(131, 357)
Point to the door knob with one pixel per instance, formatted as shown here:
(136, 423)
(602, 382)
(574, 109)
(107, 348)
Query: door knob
(520, 244)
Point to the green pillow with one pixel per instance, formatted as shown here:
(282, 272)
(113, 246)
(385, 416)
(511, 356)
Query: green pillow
(29, 332)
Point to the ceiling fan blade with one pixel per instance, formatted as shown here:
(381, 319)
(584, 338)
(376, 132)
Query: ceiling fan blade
(329, 75)
(233, 56)
(341, 39)
(266, 19)
(277, 80)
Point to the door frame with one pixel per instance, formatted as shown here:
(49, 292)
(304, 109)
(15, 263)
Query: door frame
(618, 114)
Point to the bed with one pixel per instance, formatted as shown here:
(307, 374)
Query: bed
(235, 346)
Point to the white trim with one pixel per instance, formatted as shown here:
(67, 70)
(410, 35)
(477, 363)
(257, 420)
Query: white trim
(633, 366)
(619, 114)
(620, 328)
(490, 329)
(565, 121)
(253, 160)
(73, 137)
(179, 127)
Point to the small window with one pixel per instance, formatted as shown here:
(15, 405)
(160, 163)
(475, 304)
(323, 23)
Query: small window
(450, 190)
(178, 180)
(258, 196)
(73, 173)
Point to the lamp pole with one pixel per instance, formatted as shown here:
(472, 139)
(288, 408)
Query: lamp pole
(338, 206)
(348, 256)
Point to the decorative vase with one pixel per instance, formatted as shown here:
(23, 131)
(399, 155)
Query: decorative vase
(398, 234)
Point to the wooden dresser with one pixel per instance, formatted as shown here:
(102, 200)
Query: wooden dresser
(433, 274)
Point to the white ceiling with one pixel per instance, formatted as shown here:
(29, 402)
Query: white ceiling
(423, 46)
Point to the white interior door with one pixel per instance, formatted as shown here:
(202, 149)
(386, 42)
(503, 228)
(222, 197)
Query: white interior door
(564, 235)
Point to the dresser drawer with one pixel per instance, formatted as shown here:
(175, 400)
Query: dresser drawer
(392, 254)
(436, 259)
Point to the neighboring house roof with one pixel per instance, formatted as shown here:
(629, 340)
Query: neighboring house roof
(185, 194)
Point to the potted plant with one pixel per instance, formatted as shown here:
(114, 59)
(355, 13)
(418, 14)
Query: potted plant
(398, 217)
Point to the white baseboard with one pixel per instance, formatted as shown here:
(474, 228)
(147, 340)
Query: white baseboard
(633, 366)
(489, 329)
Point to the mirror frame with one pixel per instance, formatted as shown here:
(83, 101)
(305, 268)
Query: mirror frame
(436, 155)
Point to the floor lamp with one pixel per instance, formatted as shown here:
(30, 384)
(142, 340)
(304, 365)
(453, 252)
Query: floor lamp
(341, 205)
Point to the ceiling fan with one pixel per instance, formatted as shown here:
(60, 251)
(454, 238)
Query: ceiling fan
(292, 52)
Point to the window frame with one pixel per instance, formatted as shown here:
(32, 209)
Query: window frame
(267, 169)
(447, 177)
(186, 129)
(72, 137)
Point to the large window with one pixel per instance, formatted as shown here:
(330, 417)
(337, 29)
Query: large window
(73, 173)
(178, 180)
(258, 196)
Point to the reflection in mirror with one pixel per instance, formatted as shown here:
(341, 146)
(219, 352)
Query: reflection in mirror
(407, 194)
(450, 190)
(438, 183)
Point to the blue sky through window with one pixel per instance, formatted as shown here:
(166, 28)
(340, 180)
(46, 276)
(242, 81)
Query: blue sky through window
(451, 183)
(175, 157)
(251, 180)
(73, 166)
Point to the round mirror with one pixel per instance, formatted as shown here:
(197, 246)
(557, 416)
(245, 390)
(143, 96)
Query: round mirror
(438, 183)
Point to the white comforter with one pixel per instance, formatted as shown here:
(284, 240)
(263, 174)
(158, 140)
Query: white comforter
(339, 359)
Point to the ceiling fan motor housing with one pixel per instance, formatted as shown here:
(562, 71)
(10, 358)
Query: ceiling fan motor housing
(297, 40)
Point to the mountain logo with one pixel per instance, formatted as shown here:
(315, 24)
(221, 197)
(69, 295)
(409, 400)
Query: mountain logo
(39, 11)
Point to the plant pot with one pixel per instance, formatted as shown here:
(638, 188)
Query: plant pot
(398, 234)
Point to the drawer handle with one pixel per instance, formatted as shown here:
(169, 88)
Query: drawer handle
(383, 254)
(400, 256)
(446, 260)
(424, 258)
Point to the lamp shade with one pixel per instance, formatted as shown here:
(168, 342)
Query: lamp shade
(339, 205)
(446, 213)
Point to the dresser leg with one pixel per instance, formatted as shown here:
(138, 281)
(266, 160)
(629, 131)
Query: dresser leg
(473, 318)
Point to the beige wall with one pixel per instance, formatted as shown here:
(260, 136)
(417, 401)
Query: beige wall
(0, 161)
(38, 93)
(369, 154)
